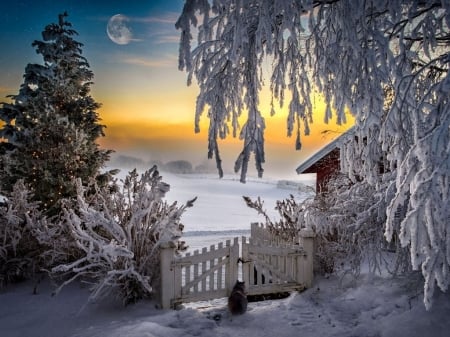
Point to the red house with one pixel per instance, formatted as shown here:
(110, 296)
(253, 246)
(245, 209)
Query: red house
(324, 163)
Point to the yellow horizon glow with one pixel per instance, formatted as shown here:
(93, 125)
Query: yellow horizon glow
(172, 126)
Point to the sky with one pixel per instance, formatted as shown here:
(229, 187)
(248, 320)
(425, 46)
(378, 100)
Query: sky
(146, 105)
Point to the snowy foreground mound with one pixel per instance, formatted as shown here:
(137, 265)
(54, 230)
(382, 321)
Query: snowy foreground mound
(373, 307)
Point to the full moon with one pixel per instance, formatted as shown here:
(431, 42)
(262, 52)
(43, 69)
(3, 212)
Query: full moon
(118, 30)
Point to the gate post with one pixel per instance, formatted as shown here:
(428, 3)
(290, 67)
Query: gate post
(167, 287)
(307, 241)
(233, 265)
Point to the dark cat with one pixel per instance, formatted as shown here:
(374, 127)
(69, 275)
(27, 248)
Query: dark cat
(237, 302)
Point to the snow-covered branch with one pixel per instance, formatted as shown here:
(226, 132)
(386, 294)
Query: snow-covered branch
(386, 62)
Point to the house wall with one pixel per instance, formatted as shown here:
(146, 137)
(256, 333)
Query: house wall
(327, 167)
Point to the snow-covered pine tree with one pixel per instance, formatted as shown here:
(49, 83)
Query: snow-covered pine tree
(385, 61)
(52, 125)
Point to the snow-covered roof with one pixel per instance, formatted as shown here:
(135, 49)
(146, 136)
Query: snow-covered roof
(327, 149)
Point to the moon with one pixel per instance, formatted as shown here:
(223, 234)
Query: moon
(118, 30)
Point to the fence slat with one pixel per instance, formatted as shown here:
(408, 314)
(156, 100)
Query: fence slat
(212, 264)
(204, 250)
(177, 272)
(220, 270)
(196, 285)
(187, 274)
(259, 269)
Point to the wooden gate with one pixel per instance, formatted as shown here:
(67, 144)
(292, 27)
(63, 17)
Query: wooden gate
(265, 265)
(272, 268)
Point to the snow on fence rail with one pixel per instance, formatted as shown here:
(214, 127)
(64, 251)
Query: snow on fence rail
(266, 267)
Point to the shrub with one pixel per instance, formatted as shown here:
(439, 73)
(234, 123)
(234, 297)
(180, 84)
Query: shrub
(349, 223)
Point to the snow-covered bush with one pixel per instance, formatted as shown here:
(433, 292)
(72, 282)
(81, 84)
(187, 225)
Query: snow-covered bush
(292, 220)
(30, 243)
(119, 233)
(349, 220)
(19, 249)
(286, 227)
(349, 224)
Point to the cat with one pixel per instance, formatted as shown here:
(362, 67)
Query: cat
(237, 302)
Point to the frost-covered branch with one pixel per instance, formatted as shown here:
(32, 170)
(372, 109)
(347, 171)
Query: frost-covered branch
(226, 64)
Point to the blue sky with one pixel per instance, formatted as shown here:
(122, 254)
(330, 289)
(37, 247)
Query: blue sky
(21, 22)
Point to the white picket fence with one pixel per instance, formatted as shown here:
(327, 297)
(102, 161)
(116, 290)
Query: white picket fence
(264, 263)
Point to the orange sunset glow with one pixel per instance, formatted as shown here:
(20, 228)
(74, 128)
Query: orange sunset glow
(157, 122)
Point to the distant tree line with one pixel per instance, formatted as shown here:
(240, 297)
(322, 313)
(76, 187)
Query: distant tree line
(174, 166)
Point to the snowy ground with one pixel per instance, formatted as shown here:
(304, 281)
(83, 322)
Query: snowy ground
(372, 306)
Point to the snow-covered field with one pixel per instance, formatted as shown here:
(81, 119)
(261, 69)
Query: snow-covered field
(371, 306)
(220, 213)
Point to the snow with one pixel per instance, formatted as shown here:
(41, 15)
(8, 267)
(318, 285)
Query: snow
(376, 306)
(334, 306)
(220, 213)
(219, 203)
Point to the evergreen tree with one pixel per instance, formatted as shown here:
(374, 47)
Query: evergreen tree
(51, 126)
